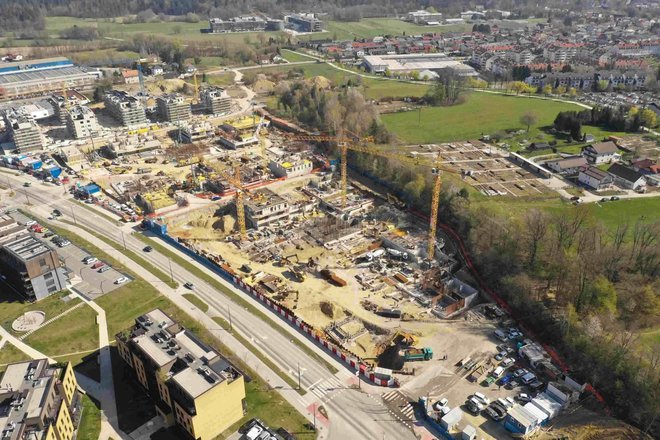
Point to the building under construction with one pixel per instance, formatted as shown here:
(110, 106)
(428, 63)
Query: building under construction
(215, 100)
(125, 108)
(81, 122)
(173, 107)
(24, 131)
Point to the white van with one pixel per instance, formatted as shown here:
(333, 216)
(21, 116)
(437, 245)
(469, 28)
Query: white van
(497, 372)
(499, 334)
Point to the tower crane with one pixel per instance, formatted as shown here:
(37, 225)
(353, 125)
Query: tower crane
(436, 164)
(141, 79)
(65, 96)
(196, 97)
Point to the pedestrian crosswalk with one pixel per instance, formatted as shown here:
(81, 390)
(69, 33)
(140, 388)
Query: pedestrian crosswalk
(400, 407)
(327, 389)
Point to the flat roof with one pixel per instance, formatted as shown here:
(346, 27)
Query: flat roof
(18, 77)
(522, 416)
(27, 247)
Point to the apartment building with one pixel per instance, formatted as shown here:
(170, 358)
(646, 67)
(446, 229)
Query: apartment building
(81, 122)
(173, 108)
(290, 168)
(125, 108)
(303, 23)
(215, 100)
(244, 23)
(424, 17)
(193, 387)
(39, 402)
(31, 267)
(24, 131)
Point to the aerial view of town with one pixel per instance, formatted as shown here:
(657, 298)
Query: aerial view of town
(341, 220)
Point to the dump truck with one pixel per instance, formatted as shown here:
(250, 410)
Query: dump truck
(418, 354)
(333, 278)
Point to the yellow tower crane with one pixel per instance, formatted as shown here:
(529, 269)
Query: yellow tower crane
(436, 164)
(235, 181)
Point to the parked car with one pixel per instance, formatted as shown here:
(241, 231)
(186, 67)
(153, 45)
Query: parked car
(613, 198)
(481, 398)
(604, 199)
(507, 362)
(30, 223)
(575, 198)
(472, 408)
(520, 372)
(98, 265)
(91, 260)
(63, 243)
(501, 355)
(104, 268)
(49, 234)
(121, 280)
(524, 398)
(495, 412)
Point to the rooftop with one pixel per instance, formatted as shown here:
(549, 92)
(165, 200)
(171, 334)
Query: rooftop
(27, 247)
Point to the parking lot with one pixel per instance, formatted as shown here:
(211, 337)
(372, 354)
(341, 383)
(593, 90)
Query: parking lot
(84, 277)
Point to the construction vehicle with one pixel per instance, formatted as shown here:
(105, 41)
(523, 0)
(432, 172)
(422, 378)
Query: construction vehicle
(297, 274)
(418, 354)
(333, 278)
(436, 165)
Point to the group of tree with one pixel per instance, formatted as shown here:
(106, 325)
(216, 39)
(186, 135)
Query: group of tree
(482, 28)
(615, 119)
(447, 89)
(88, 33)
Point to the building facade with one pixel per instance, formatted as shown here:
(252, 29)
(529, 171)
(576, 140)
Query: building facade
(601, 152)
(125, 108)
(31, 267)
(290, 169)
(595, 178)
(39, 402)
(303, 23)
(25, 132)
(626, 177)
(81, 122)
(215, 100)
(265, 207)
(173, 108)
(193, 387)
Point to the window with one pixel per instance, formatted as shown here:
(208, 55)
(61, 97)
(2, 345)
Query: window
(49, 275)
(52, 289)
(42, 262)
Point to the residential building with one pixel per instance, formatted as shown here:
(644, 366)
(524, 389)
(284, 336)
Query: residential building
(81, 122)
(627, 177)
(130, 76)
(39, 402)
(404, 63)
(646, 166)
(31, 267)
(265, 207)
(567, 166)
(424, 17)
(173, 107)
(244, 23)
(125, 108)
(561, 52)
(601, 152)
(193, 387)
(215, 100)
(25, 132)
(290, 168)
(24, 79)
(9, 228)
(303, 22)
(59, 103)
(594, 178)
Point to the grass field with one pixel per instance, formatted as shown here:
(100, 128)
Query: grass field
(10, 354)
(11, 306)
(294, 57)
(74, 332)
(201, 305)
(372, 27)
(90, 424)
(481, 113)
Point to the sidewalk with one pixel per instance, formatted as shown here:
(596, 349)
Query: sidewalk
(34, 354)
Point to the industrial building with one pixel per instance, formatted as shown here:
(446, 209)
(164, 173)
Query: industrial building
(125, 108)
(193, 387)
(24, 131)
(173, 108)
(24, 79)
(31, 267)
(303, 23)
(237, 24)
(404, 63)
(215, 100)
(39, 402)
(424, 17)
(81, 122)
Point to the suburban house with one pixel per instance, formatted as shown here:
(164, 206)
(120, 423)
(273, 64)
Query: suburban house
(627, 177)
(130, 76)
(645, 166)
(601, 152)
(567, 166)
(594, 178)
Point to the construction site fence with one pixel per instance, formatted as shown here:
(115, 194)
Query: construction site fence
(353, 362)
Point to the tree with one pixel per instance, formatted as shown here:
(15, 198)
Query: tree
(572, 92)
(547, 89)
(560, 90)
(528, 119)
(648, 118)
(518, 87)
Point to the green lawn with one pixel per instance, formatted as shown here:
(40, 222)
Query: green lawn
(372, 27)
(294, 57)
(11, 306)
(105, 56)
(481, 113)
(201, 305)
(74, 332)
(10, 354)
(90, 424)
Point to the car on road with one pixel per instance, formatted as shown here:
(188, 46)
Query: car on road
(104, 268)
(189, 285)
(26, 184)
(575, 198)
(148, 249)
(121, 280)
(56, 213)
(604, 199)
(613, 198)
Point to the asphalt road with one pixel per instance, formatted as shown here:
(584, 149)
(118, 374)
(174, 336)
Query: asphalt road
(351, 413)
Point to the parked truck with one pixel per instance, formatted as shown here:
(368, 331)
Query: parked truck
(418, 354)
(333, 278)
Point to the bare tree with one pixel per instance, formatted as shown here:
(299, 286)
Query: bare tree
(536, 223)
(529, 119)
